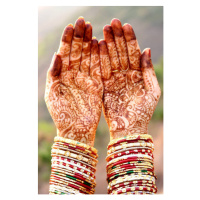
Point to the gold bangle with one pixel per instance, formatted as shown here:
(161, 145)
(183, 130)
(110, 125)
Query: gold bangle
(61, 139)
(131, 137)
(73, 155)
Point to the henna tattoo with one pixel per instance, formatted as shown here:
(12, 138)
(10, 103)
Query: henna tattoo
(120, 43)
(104, 60)
(130, 97)
(73, 97)
(134, 54)
(122, 52)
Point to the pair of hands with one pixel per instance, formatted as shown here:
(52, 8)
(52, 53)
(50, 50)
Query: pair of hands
(85, 74)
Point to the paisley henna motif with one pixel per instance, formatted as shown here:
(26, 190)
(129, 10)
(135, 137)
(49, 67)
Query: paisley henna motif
(130, 97)
(74, 89)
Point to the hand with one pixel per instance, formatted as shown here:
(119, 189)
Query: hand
(131, 90)
(74, 89)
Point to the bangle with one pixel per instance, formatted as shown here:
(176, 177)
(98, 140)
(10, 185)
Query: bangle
(130, 165)
(77, 163)
(131, 137)
(119, 181)
(73, 155)
(125, 145)
(73, 142)
(132, 157)
(66, 146)
(130, 183)
(54, 188)
(73, 179)
(136, 192)
(108, 158)
(69, 181)
(68, 188)
(133, 163)
(143, 149)
(142, 170)
(129, 172)
(75, 174)
(73, 167)
(63, 164)
(129, 189)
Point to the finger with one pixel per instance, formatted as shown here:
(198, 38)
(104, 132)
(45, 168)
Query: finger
(149, 76)
(65, 45)
(109, 38)
(77, 42)
(105, 65)
(85, 62)
(120, 43)
(53, 74)
(134, 52)
(95, 65)
(55, 66)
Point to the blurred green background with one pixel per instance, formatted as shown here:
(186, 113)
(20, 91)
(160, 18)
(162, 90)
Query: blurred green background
(147, 23)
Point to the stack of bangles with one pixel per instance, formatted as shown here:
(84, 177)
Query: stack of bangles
(73, 167)
(130, 166)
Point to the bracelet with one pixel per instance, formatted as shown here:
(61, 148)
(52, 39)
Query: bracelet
(130, 183)
(60, 189)
(108, 158)
(73, 179)
(143, 149)
(66, 147)
(73, 142)
(73, 166)
(75, 174)
(130, 165)
(76, 163)
(132, 157)
(142, 170)
(64, 164)
(69, 181)
(133, 163)
(136, 192)
(123, 146)
(131, 137)
(73, 155)
(68, 188)
(129, 189)
(130, 172)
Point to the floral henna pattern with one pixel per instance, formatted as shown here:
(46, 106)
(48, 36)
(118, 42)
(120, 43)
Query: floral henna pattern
(73, 93)
(130, 97)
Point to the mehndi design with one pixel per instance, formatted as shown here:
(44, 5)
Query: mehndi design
(131, 90)
(74, 89)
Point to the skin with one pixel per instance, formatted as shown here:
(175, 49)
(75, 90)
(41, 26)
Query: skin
(74, 88)
(131, 90)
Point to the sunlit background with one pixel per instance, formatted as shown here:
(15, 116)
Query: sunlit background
(147, 23)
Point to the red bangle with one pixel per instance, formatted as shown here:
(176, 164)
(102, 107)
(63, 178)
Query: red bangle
(127, 153)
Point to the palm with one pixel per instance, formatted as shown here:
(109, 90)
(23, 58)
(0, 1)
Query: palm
(131, 90)
(74, 95)
(128, 107)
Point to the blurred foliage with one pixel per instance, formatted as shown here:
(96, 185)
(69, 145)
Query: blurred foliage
(148, 26)
(158, 114)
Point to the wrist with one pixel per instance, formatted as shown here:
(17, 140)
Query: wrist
(128, 132)
(87, 137)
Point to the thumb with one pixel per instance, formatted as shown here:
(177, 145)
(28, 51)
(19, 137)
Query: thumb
(52, 82)
(149, 76)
